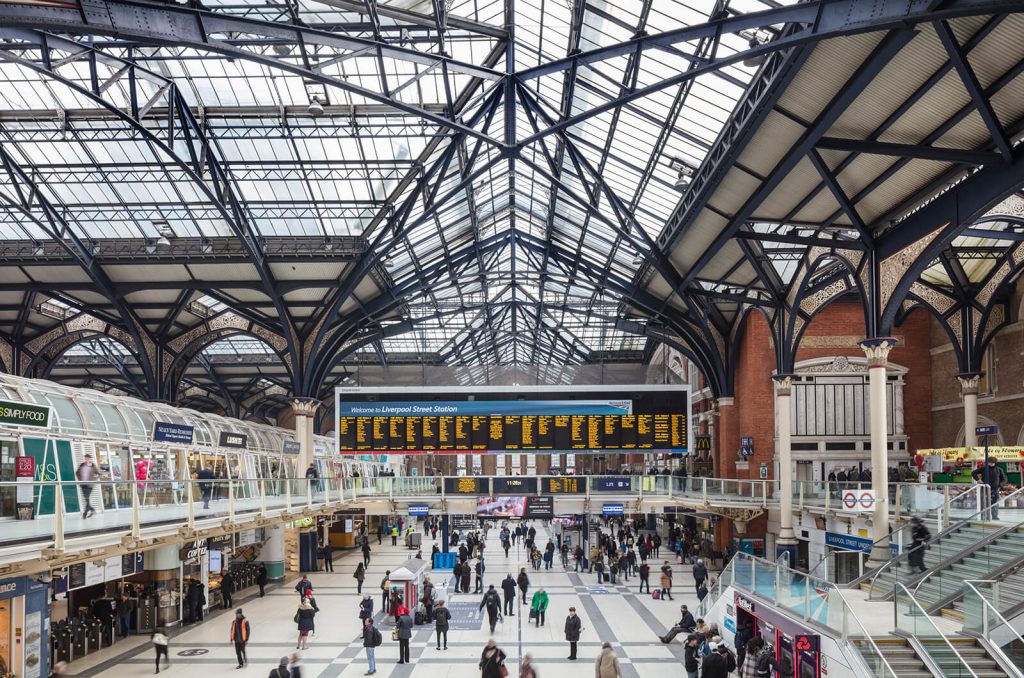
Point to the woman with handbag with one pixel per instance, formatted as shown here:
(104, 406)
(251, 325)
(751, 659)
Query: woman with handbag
(304, 619)
(492, 661)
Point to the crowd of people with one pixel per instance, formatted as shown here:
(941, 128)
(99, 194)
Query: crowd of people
(624, 550)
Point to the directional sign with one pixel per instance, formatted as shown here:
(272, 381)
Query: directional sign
(860, 501)
(747, 446)
(419, 509)
(613, 509)
(987, 431)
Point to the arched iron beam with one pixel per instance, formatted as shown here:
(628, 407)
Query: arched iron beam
(27, 198)
(175, 25)
(909, 247)
(223, 195)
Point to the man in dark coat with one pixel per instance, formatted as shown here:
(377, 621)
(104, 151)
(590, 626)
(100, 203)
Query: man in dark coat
(993, 476)
(205, 477)
(686, 624)
(700, 573)
(404, 636)
(524, 583)
(227, 587)
(508, 585)
(573, 626)
(719, 664)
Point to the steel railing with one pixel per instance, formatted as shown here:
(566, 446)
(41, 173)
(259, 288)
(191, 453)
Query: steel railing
(983, 618)
(911, 619)
(900, 565)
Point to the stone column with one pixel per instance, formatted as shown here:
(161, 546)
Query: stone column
(304, 409)
(786, 541)
(725, 437)
(969, 391)
(877, 352)
(272, 553)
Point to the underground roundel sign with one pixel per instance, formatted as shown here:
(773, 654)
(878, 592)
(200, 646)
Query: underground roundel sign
(807, 643)
(858, 500)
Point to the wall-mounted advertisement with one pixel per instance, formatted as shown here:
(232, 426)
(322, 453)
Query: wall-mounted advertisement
(501, 507)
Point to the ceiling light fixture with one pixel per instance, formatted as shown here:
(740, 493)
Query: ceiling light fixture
(315, 109)
(163, 240)
(389, 263)
(755, 39)
(282, 49)
(638, 260)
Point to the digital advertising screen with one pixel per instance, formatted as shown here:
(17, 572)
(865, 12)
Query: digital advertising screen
(511, 419)
(501, 507)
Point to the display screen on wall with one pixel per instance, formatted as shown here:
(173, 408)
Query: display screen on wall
(501, 507)
(648, 418)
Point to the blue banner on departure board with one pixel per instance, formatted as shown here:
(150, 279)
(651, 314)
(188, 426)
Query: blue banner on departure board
(485, 407)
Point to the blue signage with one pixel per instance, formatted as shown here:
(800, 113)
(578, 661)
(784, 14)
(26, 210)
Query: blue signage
(172, 433)
(848, 542)
(986, 431)
(613, 484)
(484, 407)
(419, 510)
(613, 509)
(730, 624)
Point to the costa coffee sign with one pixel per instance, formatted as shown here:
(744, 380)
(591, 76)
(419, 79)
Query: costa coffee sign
(196, 549)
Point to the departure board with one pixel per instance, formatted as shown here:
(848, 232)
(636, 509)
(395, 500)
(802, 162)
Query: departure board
(460, 433)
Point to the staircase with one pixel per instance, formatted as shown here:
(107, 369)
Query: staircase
(939, 586)
(1011, 595)
(974, 655)
(940, 548)
(902, 657)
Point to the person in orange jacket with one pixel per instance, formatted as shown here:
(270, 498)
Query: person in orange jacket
(240, 636)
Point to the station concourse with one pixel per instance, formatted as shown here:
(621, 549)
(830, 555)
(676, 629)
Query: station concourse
(737, 281)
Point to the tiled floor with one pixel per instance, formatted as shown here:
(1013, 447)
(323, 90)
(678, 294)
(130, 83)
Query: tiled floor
(631, 622)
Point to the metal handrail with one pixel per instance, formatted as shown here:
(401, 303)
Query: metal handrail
(716, 590)
(952, 528)
(848, 610)
(924, 615)
(990, 609)
(862, 555)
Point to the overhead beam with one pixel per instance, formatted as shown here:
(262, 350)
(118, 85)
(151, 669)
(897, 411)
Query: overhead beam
(907, 151)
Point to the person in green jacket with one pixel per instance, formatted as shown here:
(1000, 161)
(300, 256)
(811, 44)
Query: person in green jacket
(539, 606)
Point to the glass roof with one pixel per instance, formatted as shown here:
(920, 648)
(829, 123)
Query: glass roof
(492, 259)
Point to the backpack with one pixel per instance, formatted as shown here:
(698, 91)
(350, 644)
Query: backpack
(377, 638)
(764, 662)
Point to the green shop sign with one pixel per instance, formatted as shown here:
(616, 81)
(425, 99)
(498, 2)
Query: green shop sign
(24, 414)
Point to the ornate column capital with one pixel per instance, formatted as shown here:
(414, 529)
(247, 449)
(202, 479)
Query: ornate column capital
(783, 384)
(877, 350)
(969, 382)
(305, 406)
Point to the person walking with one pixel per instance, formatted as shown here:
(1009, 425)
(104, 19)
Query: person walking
(492, 661)
(125, 609)
(427, 598)
(161, 643)
(607, 664)
(479, 587)
(573, 627)
(205, 476)
(304, 588)
(691, 654)
(371, 641)
(227, 587)
(295, 666)
(282, 670)
(366, 553)
(405, 625)
(366, 608)
(992, 475)
(539, 606)
(666, 586)
(261, 578)
(359, 576)
(645, 573)
(493, 605)
(328, 556)
(304, 619)
(466, 574)
(527, 670)
(920, 536)
(581, 562)
(524, 583)
(385, 586)
(380, 532)
(240, 637)
(508, 586)
(700, 574)
(394, 536)
(85, 474)
(441, 618)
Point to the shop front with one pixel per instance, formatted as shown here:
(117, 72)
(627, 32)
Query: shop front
(781, 633)
(24, 628)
